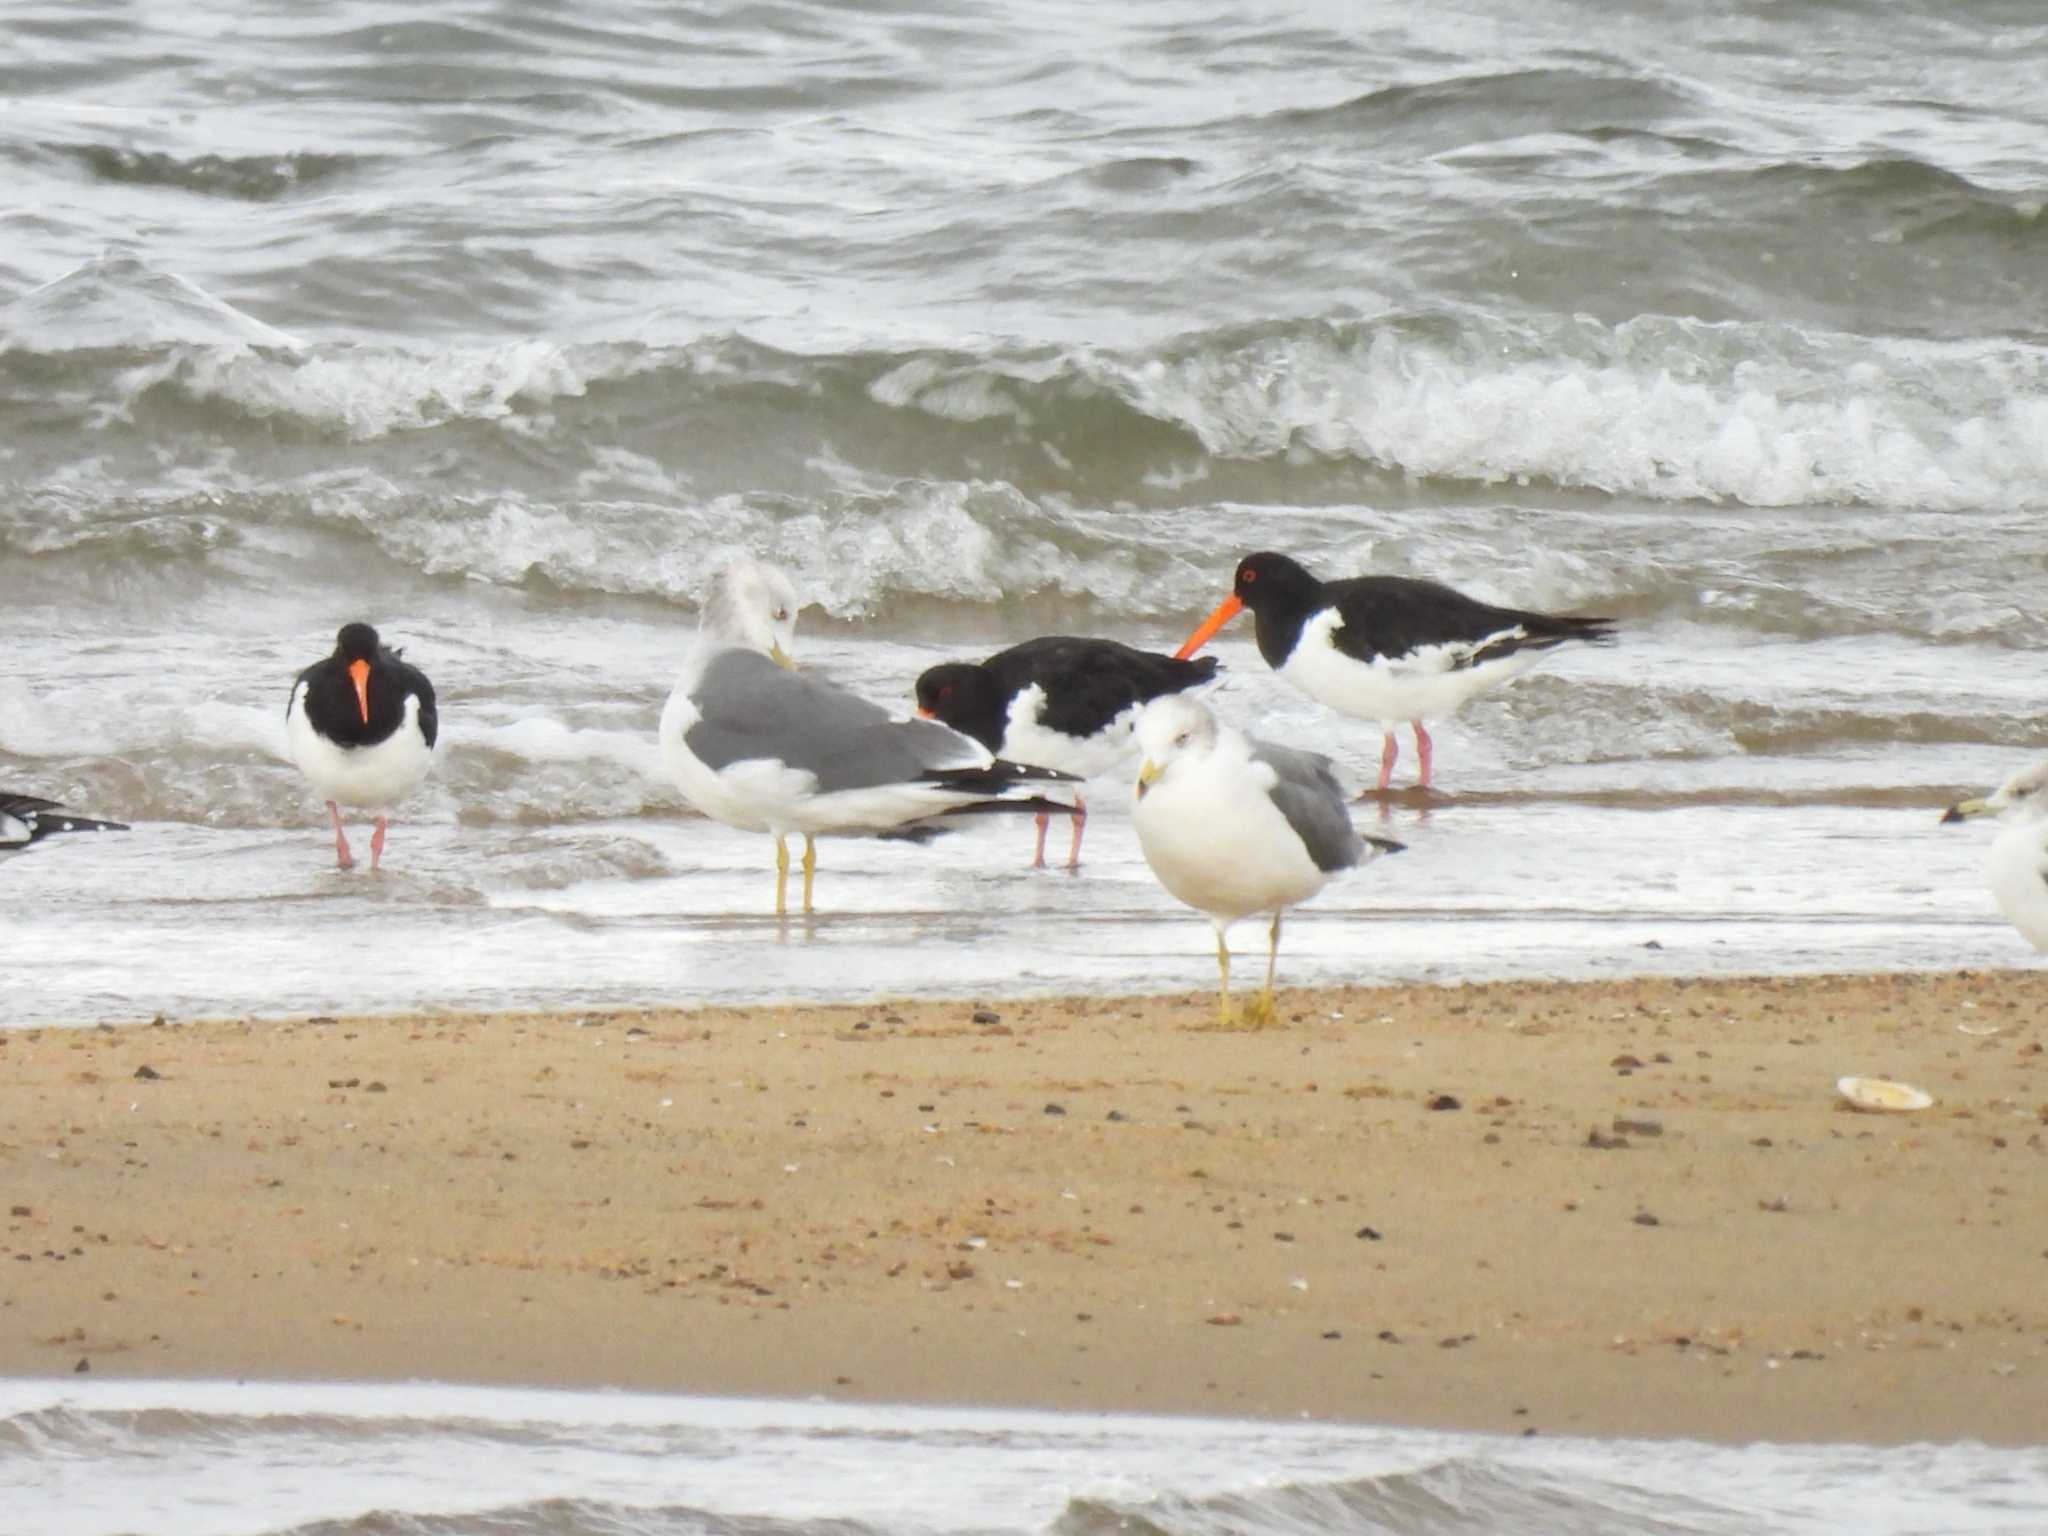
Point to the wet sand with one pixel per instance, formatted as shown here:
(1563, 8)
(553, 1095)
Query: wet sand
(1619, 1208)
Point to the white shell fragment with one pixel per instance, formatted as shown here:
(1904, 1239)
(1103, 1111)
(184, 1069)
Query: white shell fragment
(1874, 1093)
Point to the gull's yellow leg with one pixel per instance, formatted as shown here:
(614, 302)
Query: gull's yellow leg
(810, 870)
(781, 876)
(1259, 1012)
(1226, 1016)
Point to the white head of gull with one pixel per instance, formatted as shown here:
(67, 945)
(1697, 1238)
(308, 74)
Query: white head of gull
(759, 746)
(2017, 864)
(1235, 826)
(753, 604)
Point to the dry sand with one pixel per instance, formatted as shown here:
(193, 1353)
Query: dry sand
(1633, 1207)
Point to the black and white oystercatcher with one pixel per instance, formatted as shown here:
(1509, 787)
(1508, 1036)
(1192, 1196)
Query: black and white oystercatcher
(361, 725)
(1235, 826)
(1061, 701)
(755, 744)
(1387, 648)
(26, 820)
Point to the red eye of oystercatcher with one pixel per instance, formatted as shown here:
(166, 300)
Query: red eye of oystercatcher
(1248, 574)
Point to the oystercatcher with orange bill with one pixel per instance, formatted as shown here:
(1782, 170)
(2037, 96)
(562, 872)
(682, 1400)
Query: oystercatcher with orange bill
(26, 820)
(1060, 701)
(1387, 648)
(361, 725)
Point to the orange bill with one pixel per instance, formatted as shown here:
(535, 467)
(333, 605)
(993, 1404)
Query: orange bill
(1226, 610)
(359, 674)
(925, 714)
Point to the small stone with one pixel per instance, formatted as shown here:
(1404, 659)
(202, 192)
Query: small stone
(84, 1365)
(1601, 1141)
(1333, 1334)
(1388, 1336)
(147, 1074)
(20, 1210)
(1368, 1234)
(375, 1087)
(1283, 1237)
(987, 1016)
(1223, 1320)
(1444, 1101)
(1055, 1109)
(1638, 1127)
(1645, 1219)
(1625, 1062)
(1116, 1117)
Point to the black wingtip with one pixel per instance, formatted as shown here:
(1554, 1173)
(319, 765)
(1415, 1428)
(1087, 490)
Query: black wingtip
(1034, 804)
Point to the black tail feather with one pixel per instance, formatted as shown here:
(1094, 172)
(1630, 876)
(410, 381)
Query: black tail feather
(1035, 805)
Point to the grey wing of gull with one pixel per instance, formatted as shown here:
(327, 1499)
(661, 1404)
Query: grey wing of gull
(1312, 800)
(752, 709)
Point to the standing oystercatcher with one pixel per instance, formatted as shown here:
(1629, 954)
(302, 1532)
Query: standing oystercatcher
(361, 724)
(1234, 826)
(26, 820)
(1057, 702)
(2018, 861)
(1387, 648)
(759, 746)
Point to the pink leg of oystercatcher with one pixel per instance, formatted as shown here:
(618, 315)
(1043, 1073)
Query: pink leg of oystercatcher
(1044, 820)
(343, 859)
(377, 843)
(1422, 750)
(1388, 754)
(1080, 822)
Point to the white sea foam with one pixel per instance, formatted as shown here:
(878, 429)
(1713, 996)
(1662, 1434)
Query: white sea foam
(1671, 410)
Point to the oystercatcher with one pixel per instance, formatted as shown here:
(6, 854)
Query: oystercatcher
(1233, 826)
(2018, 861)
(758, 746)
(1057, 702)
(361, 725)
(1387, 648)
(26, 820)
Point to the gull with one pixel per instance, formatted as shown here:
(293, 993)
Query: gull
(757, 745)
(2018, 860)
(1235, 826)
(26, 820)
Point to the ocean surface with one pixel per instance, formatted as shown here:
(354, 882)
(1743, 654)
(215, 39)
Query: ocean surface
(230, 1459)
(504, 325)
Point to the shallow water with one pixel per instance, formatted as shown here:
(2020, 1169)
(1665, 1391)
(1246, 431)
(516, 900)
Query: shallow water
(503, 330)
(252, 1459)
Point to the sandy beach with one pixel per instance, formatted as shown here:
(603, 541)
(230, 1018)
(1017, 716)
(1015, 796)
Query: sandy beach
(1635, 1207)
